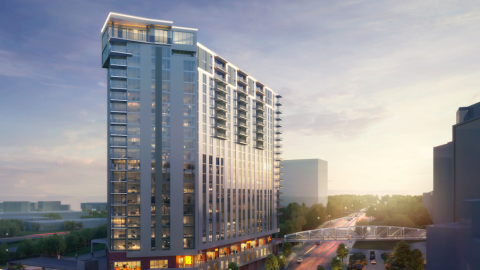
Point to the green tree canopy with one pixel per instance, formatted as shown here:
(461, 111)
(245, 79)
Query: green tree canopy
(342, 251)
(320, 267)
(416, 262)
(287, 249)
(271, 263)
(282, 260)
(402, 253)
(26, 247)
(233, 266)
(336, 264)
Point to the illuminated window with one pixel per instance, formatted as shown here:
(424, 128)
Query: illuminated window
(159, 264)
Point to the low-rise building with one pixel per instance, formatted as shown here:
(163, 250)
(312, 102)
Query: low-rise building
(305, 181)
(18, 206)
(58, 224)
(97, 206)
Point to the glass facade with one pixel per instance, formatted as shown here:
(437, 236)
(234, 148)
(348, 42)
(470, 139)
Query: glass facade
(191, 143)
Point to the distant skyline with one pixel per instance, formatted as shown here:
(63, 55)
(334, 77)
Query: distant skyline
(376, 85)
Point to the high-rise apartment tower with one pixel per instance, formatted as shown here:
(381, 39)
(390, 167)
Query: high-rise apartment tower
(193, 151)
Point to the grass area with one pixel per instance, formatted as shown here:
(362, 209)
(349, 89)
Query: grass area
(23, 233)
(85, 250)
(381, 245)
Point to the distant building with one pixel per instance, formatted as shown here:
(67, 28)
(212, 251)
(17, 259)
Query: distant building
(305, 181)
(19, 206)
(1, 206)
(33, 206)
(97, 206)
(65, 207)
(50, 205)
(457, 197)
(442, 203)
(428, 202)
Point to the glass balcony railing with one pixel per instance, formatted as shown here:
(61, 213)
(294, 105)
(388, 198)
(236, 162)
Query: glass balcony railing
(241, 79)
(220, 106)
(220, 78)
(118, 167)
(220, 97)
(118, 62)
(115, 49)
(259, 99)
(221, 116)
(242, 107)
(242, 124)
(139, 36)
(279, 111)
(242, 141)
(118, 121)
(220, 125)
(118, 73)
(118, 84)
(118, 96)
(118, 108)
(242, 116)
(242, 132)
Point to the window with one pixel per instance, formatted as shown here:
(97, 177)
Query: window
(134, 265)
(159, 264)
(183, 38)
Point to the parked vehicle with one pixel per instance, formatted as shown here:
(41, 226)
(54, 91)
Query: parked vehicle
(372, 255)
(299, 260)
(373, 261)
(317, 243)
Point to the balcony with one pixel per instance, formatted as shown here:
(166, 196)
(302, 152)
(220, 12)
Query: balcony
(221, 126)
(279, 145)
(121, 35)
(118, 121)
(259, 131)
(279, 207)
(120, 96)
(242, 133)
(278, 103)
(220, 106)
(278, 132)
(221, 116)
(279, 159)
(221, 68)
(118, 73)
(222, 136)
(118, 85)
(278, 118)
(260, 146)
(242, 141)
(278, 166)
(119, 108)
(278, 139)
(242, 80)
(259, 100)
(278, 125)
(242, 107)
(259, 138)
(242, 116)
(279, 213)
(280, 186)
(242, 124)
(220, 88)
(118, 167)
(259, 116)
(120, 50)
(220, 97)
(278, 172)
(259, 123)
(279, 111)
(220, 79)
(259, 90)
(118, 62)
(279, 153)
(242, 99)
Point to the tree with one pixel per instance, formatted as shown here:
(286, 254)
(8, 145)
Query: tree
(72, 241)
(271, 263)
(88, 234)
(289, 227)
(82, 242)
(26, 247)
(233, 266)
(3, 253)
(416, 262)
(342, 251)
(287, 249)
(402, 253)
(321, 268)
(282, 260)
(20, 266)
(336, 264)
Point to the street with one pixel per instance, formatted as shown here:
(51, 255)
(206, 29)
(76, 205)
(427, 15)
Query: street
(314, 255)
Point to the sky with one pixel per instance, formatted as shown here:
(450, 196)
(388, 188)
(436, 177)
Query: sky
(369, 86)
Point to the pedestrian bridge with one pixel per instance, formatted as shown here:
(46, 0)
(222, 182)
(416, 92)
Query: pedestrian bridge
(358, 233)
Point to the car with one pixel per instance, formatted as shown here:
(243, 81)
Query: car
(373, 261)
(317, 243)
(299, 260)
(372, 255)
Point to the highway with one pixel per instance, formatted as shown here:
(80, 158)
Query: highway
(314, 255)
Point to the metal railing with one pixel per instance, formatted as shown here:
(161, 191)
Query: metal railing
(118, 62)
(242, 99)
(362, 233)
(120, 34)
(119, 96)
(118, 121)
(118, 72)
